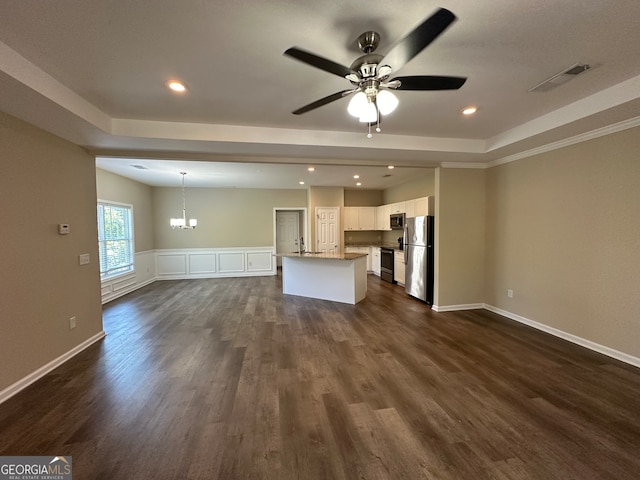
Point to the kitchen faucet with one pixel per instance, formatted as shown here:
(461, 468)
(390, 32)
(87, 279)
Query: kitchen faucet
(301, 244)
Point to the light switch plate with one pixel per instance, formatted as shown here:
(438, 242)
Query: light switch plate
(63, 228)
(84, 259)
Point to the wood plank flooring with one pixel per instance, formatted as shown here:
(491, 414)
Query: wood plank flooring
(230, 379)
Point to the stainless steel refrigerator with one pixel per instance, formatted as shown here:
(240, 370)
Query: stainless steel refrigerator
(419, 257)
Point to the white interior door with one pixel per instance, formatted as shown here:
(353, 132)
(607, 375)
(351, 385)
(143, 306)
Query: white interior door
(327, 228)
(288, 231)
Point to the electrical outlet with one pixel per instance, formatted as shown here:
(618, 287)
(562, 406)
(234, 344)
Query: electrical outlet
(510, 293)
(72, 323)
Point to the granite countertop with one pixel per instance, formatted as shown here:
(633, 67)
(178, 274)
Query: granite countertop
(323, 255)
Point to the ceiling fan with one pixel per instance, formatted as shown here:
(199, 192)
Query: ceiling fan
(370, 73)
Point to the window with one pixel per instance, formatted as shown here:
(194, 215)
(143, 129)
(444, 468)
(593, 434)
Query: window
(115, 239)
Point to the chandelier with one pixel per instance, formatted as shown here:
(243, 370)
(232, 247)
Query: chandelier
(182, 222)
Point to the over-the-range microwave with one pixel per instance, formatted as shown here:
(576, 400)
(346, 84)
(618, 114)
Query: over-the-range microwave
(397, 221)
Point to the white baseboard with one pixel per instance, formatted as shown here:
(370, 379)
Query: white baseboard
(23, 383)
(596, 347)
(454, 308)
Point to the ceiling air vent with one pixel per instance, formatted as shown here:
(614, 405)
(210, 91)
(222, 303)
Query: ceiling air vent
(560, 78)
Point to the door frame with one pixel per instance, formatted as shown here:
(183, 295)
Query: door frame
(305, 224)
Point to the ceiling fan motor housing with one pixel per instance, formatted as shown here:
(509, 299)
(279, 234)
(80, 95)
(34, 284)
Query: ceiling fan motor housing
(367, 65)
(369, 41)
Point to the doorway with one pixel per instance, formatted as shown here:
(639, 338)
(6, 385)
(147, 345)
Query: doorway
(290, 230)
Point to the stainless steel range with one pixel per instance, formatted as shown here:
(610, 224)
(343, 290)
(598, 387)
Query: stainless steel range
(386, 264)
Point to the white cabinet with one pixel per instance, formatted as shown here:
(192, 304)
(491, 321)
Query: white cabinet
(367, 218)
(359, 218)
(375, 260)
(423, 206)
(412, 208)
(398, 266)
(382, 217)
(365, 250)
(350, 218)
(409, 208)
(398, 207)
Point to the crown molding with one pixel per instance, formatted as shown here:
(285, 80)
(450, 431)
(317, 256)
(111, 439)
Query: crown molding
(464, 165)
(583, 137)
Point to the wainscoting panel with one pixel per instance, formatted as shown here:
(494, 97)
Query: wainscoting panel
(202, 263)
(171, 264)
(215, 262)
(231, 262)
(260, 261)
(174, 264)
(145, 273)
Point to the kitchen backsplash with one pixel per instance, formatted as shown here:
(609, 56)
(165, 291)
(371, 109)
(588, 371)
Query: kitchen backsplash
(364, 237)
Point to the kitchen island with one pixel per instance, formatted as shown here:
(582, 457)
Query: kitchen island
(340, 277)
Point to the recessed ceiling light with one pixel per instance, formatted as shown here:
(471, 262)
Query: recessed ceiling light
(311, 169)
(176, 86)
(356, 176)
(301, 183)
(469, 110)
(358, 184)
(391, 167)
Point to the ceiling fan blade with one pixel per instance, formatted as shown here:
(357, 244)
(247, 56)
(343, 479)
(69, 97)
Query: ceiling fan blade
(429, 82)
(418, 39)
(323, 101)
(318, 62)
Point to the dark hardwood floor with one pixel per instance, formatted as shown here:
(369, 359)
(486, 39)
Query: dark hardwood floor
(229, 379)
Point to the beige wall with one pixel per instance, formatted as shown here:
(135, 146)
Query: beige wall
(227, 217)
(115, 188)
(421, 186)
(563, 232)
(460, 237)
(362, 198)
(44, 181)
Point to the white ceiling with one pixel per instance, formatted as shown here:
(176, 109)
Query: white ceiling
(94, 72)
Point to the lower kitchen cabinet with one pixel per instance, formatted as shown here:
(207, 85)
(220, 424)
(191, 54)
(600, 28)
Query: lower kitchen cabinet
(375, 260)
(398, 267)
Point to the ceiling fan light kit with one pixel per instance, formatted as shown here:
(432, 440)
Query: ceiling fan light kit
(369, 74)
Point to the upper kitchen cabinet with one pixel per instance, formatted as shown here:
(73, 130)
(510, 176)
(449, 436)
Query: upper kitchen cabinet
(382, 217)
(350, 218)
(359, 218)
(420, 206)
(410, 208)
(398, 207)
(424, 206)
(367, 218)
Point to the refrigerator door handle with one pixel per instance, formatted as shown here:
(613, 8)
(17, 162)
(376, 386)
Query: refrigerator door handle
(404, 245)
